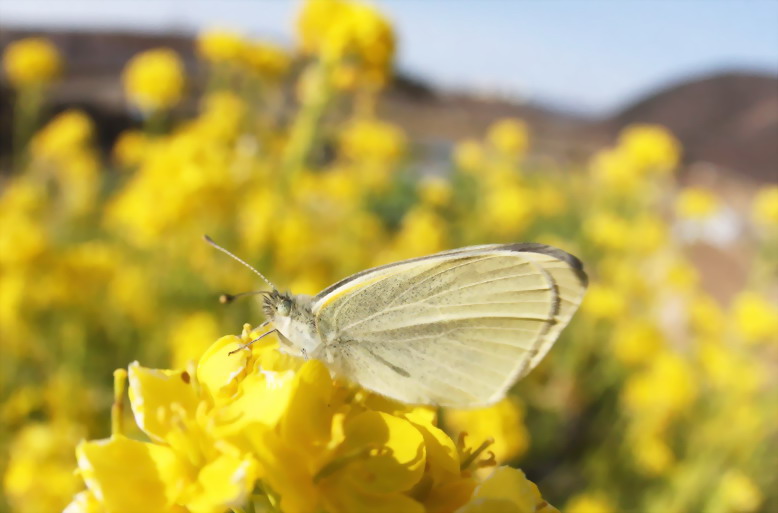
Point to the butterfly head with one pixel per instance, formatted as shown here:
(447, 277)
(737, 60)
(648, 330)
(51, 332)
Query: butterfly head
(277, 304)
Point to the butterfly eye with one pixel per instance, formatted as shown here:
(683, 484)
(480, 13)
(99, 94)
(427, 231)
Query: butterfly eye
(285, 306)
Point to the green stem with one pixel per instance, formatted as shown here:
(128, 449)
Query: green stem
(26, 114)
(304, 132)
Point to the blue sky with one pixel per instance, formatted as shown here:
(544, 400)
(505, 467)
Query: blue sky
(591, 56)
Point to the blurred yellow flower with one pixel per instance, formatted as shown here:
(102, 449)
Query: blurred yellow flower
(422, 233)
(652, 454)
(504, 422)
(372, 141)
(696, 203)
(469, 155)
(608, 230)
(267, 60)
(191, 336)
(435, 191)
(508, 209)
(154, 79)
(32, 61)
(550, 201)
(604, 302)
(764, 209)
(651, 147)
(664, 388)
(615, 171)
(706, 315)
(756, 318)
(221, 116)
(736, 493)
(67, 133)
(21, 239)
(219, 45)
(130, 148)
(39, 476)
(589, 503)
(509, 137)
(636, 341)
(338, 29)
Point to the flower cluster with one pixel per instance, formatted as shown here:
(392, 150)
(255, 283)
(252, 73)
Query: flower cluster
(253, 428)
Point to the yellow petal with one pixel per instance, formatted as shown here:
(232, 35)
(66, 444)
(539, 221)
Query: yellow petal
(225, 482)
(116, 469)
(359, 501)
(505, 485)
(309, 414)
(450, 495)
(262, 398)
(292, 482)
(397, 462)
(219, 371)
(442, 456)
(153, 392)
(84, 502)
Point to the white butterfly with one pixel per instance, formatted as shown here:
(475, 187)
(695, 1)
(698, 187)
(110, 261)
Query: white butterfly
(456, 329)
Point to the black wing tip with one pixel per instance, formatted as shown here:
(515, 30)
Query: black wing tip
(573, 261)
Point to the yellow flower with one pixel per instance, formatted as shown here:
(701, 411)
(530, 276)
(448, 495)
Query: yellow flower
(31, 61)
(258, 414)
(764, 209)
(504, 422)
(372, 141)
(191, 337)
(154, 79)
(648, 233)
(737, 493)
(651, 147)
(589, 503)
(219, 45)
(756, 318)
(603, 302)
(508, 209)
(222, 115)
(422, 232)
(435, 191)
(509, 137)
(706, 316)
(507, 490)
(469, 155)
(267, 60)
(22, 239)
(66, 134)
(636, 341)
(39, 476)
(652, 454)
(665, 388)
(130, 148)
(696, 203)
(608, 230)
(550, 200)
(337, 29)
(613, 168)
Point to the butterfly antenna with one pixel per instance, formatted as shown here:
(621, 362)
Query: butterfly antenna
(229, 298)
(212, 243)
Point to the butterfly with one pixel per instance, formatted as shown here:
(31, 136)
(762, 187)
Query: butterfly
(454, 329)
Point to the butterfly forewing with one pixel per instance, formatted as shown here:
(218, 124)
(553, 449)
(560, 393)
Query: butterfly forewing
(457, 328)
